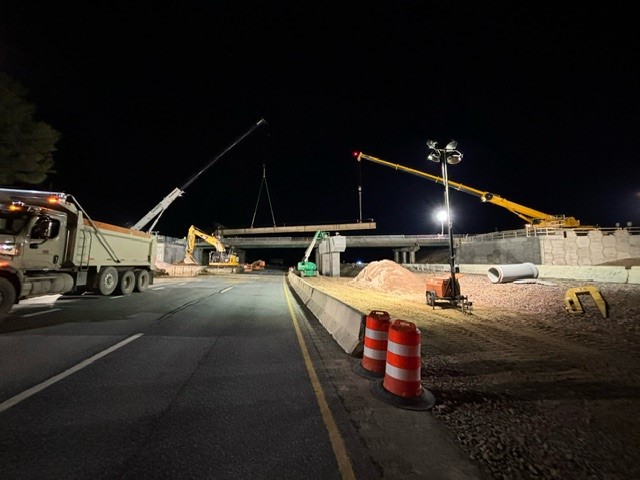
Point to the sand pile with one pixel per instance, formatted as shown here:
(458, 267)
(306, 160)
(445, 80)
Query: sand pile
(388, 276)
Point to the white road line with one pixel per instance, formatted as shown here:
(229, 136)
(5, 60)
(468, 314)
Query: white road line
(226, 290)
(7, 404)
(41, 313)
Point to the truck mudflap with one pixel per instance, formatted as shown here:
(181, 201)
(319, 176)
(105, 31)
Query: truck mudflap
(8, 297)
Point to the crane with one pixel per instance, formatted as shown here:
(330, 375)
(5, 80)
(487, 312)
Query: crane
(533, 217)
(156, 212)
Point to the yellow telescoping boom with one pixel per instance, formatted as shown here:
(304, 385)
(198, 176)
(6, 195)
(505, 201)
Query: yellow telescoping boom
(534, 218)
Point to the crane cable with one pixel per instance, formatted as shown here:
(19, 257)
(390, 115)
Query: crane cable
(264, 183)
(360, 191)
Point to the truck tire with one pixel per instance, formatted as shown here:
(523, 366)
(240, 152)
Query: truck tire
(142, 280)
(126, 283)
(7, 297)
(107, 281)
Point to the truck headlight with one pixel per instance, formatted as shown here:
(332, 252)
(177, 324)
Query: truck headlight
(9, 249)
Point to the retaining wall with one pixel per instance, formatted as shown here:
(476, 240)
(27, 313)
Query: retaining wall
(563, 247)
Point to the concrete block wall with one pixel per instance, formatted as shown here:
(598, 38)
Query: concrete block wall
(170, 252)
(594, 247)
(567, 247)
(500, 251)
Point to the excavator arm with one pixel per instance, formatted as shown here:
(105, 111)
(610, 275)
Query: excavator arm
(531, 216)
(210, 239)
(220, 258)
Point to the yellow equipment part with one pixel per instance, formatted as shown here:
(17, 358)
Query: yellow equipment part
(572, 302)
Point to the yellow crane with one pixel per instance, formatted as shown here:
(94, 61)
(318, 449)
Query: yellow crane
(534, 218)
(219, 257)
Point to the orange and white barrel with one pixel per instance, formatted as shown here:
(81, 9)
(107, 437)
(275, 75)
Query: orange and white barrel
(403, 366)
(374, 356)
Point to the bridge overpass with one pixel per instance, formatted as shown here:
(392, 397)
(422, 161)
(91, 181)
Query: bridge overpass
(260, 238)
(404, 247)
(353, 241)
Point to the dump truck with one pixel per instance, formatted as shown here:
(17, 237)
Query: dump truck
(50, 245)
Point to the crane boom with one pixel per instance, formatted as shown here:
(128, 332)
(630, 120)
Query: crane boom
(157, 211)
(531, 216)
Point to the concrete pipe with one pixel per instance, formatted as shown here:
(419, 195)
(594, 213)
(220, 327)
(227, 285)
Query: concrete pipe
(509, 273)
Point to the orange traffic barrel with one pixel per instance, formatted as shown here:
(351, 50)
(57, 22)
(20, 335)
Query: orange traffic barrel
(374, 356)
(402, 385)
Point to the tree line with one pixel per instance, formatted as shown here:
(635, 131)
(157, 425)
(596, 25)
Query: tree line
(26, 145)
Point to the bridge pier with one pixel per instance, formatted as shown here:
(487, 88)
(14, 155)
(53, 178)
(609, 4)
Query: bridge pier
(329, 251)
(402, 252)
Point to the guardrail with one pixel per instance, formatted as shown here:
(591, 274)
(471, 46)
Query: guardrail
(546, 232)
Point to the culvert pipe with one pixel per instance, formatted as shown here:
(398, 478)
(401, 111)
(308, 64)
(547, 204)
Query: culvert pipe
(511, 272)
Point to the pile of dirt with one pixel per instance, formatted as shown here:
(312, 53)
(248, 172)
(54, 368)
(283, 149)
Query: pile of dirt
(388, 276)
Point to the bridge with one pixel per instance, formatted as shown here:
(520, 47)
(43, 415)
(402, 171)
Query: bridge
(241, 239)
(403, 246)
(359, 241)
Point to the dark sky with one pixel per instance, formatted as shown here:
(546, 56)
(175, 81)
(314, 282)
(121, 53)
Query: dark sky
(542, 99)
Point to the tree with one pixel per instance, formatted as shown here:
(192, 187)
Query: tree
(26, 146)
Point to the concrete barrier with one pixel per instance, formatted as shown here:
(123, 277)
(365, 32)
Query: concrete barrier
(344, 323)
(603, 274)
(593, 273)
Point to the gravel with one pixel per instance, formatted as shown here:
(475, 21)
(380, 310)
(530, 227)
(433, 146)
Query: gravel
(528, 389)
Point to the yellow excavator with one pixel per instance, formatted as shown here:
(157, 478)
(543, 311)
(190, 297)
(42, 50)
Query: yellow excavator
(219, 257)
(534, 218)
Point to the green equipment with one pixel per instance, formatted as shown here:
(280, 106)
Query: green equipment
(305, 267)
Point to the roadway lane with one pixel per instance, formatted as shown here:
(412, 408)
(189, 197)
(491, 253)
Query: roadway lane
(208, 378)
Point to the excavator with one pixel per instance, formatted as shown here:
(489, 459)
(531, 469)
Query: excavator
(533, 218)
(219, 257)
(257, 265)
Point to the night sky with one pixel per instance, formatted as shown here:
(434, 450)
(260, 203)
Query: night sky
(543, 101)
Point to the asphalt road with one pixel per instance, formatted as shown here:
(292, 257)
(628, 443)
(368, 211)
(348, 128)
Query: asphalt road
(207, 377)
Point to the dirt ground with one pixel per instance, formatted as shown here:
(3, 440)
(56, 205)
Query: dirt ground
(529, 389)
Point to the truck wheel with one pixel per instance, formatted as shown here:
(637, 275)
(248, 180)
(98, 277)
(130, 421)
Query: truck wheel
(126, 283)
(7, 297)
(142, 280)
(107, 281)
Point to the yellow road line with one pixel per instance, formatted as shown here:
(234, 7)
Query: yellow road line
(337, 443)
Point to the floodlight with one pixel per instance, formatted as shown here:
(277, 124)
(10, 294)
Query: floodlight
(454, 158)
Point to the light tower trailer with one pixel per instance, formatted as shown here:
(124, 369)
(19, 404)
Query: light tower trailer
(49, 245)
